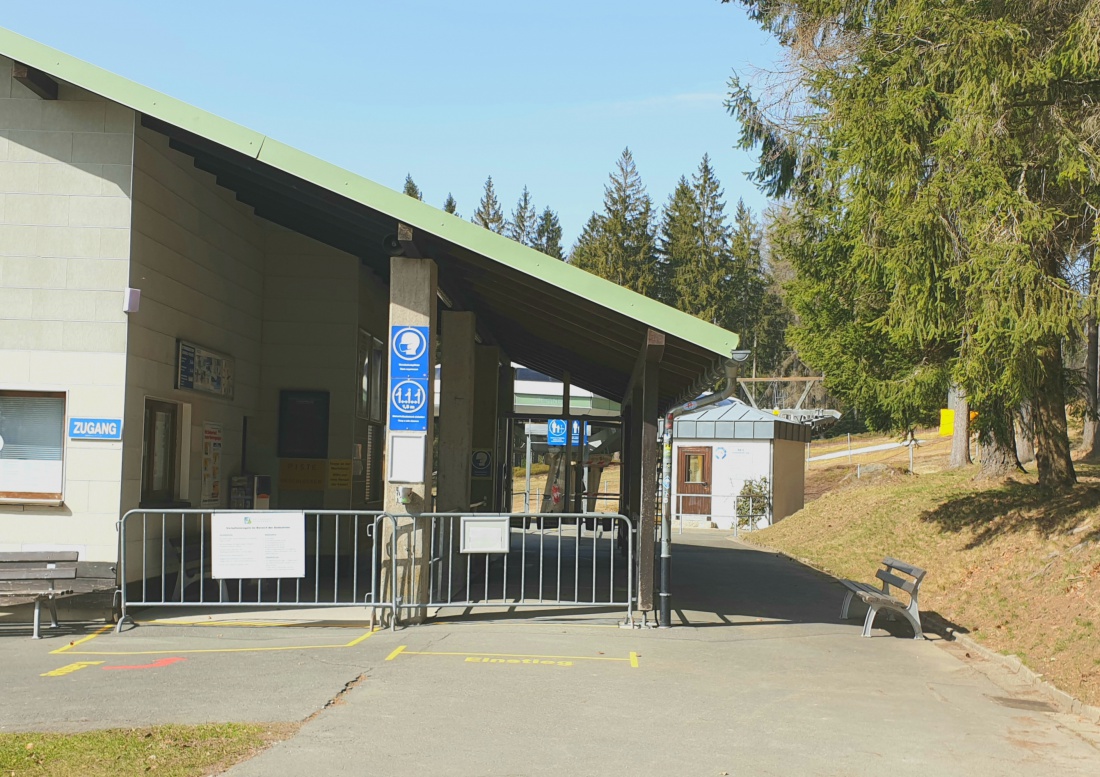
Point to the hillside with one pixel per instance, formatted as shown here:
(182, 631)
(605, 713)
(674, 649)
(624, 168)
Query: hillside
(1016, 569)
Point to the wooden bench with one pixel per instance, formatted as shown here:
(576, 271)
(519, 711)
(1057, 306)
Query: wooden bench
(36, 574)
(881, 599)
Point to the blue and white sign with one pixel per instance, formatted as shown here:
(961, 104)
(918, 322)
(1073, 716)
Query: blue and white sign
(556, 430)
(95, 428)
(409, 404)
(481, 464)
(409, 346)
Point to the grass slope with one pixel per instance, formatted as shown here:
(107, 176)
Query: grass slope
(1017, 569)
(168, 751)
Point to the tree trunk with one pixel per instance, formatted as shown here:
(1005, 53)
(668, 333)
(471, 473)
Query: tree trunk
(1052, 453)
(960, 441)
(1091, 437)
(1025, 433)
(996, 442)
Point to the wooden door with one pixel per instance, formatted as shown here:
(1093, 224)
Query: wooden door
(693, 477)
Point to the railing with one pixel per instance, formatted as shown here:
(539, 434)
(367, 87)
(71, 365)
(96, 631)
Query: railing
(748, 513)
(380, 560)
(174, 565)
(550, 559)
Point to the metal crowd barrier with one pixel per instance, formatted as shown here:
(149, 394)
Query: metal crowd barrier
(343, 565)
(552, 560)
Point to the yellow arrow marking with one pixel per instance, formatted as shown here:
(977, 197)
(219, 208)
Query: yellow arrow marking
(70, 668)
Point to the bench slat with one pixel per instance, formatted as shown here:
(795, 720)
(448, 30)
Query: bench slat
(38, 574)
(40, 556)
(8, 565)
(901, 566)
(906, 585)
(36, 592)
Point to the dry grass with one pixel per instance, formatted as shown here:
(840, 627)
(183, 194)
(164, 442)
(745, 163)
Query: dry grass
(1017, 568)
(170, 751)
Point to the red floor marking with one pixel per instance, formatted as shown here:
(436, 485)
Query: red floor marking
(155, 665)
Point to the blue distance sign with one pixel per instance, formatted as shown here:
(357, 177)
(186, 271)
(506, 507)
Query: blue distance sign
(95, 428)
(409, 404)
(409, 349)
(558, 428)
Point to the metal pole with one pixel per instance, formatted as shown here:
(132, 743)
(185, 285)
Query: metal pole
(849, 447)
(666, 527)
(527, 484)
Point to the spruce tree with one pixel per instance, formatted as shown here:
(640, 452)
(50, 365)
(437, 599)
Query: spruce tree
(489, 213)
(548, 235)
(942, 164)
(450, 206)
(522, 226)
(411, 189)
(619, 244)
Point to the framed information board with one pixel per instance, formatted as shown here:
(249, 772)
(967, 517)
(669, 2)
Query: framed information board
(200, 369)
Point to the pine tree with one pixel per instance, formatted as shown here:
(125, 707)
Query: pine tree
(548, 235)
(619, 244)
(411, 189)
(679, 247)
(450, 206)
(489, 213)
(522, 226)
(935, 221)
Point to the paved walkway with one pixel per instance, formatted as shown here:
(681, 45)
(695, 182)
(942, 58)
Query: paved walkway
(762, 679)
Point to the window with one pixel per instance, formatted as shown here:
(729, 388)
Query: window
(369, 395)
(159, 452)
(695, 468)
(32, 444)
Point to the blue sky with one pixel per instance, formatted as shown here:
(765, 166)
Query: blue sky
(539, 94)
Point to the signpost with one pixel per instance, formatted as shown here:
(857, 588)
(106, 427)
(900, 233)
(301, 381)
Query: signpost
(95, 428)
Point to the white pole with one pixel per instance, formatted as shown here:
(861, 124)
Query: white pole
(527, 484)
(849, 447)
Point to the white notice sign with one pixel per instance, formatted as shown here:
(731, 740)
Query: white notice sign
(260, 544)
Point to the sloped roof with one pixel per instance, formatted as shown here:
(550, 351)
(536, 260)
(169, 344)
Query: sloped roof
(544, 313)
(734, 420)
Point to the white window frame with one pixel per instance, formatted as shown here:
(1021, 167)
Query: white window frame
(42, 498)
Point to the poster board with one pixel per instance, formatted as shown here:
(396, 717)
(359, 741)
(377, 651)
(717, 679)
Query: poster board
(263, 544)
(212, 438)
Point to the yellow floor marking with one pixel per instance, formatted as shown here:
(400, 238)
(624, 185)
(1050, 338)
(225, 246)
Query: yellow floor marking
(556, 624)
(353, 643)
(257, 624)
(70, 668)
(633, 659)
(82, 640)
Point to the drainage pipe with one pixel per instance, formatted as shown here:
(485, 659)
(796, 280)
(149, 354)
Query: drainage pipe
(731, 367)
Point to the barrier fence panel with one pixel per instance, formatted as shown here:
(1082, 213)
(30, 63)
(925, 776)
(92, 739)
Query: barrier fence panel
(742, 513)
(165, 560)
(547, 560)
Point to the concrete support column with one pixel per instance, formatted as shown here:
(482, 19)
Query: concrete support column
(506, 403)
(456, 412)
(487, 384)
(413, 283)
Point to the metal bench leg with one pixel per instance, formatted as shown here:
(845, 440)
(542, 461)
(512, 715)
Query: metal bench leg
(37, 619)
(913, 616)
(844, 607)
(869, 620)
(53, 612)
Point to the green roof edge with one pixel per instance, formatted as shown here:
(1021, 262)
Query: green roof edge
(366, 192)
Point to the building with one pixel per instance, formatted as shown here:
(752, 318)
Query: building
(716, 451)
(183, 300)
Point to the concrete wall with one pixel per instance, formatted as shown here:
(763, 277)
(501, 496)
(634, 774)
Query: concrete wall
(65, 180)
(310, 327)
(198, 258)
(789, 489)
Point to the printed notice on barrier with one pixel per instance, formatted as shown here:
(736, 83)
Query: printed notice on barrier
(261, 544)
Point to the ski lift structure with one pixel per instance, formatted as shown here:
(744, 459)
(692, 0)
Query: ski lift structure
(758, 392)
